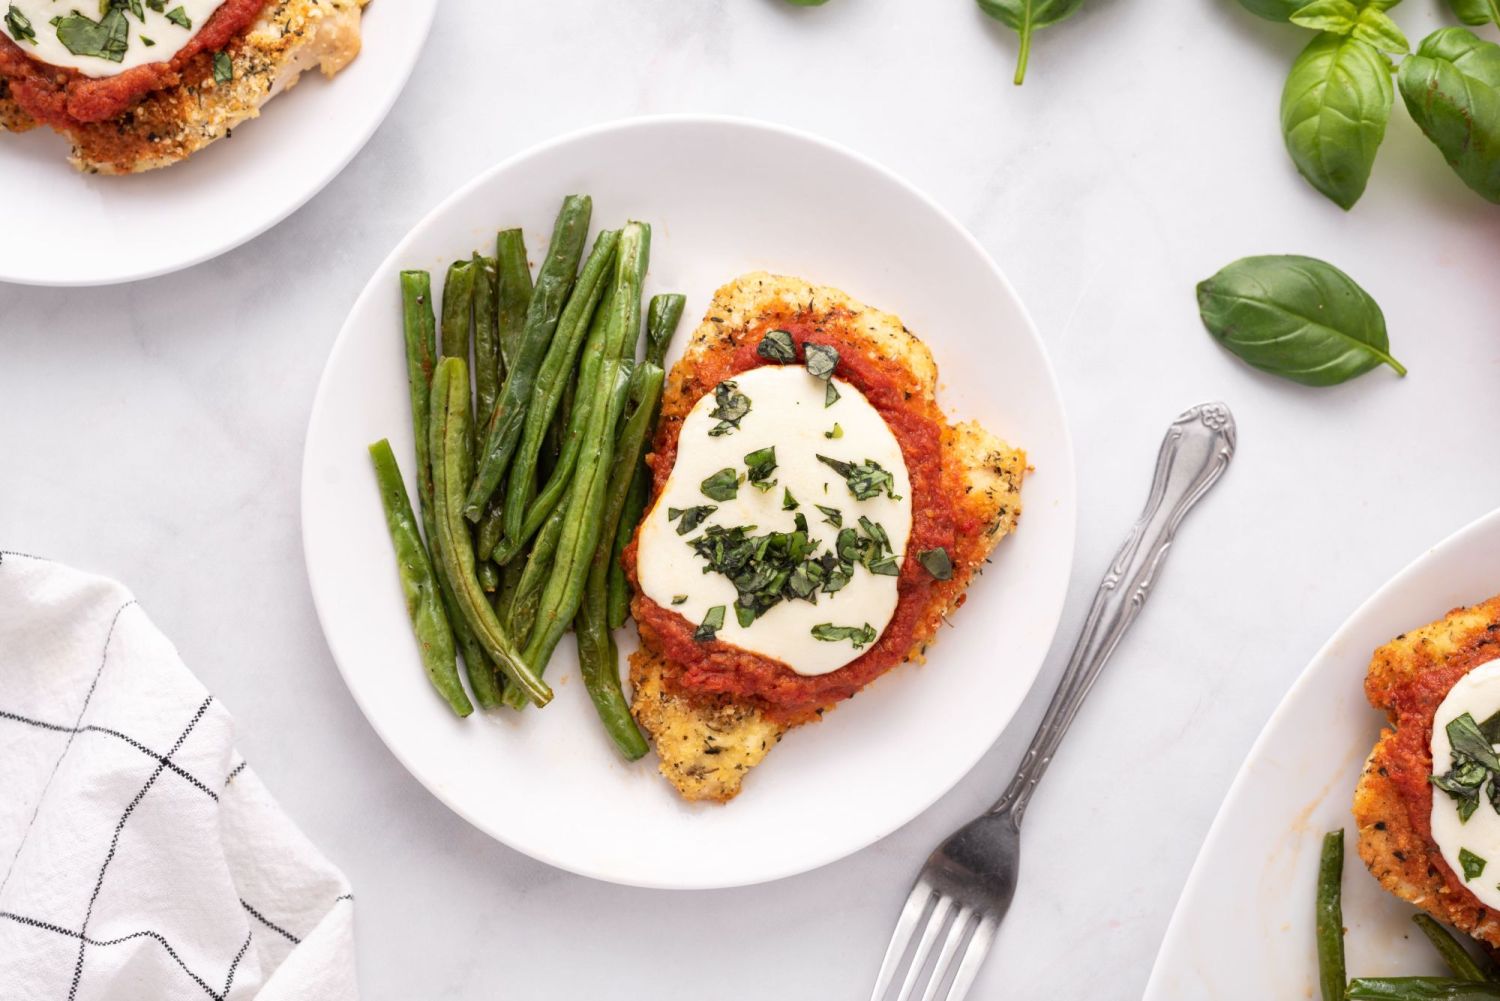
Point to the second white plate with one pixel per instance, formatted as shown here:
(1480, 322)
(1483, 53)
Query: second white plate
(724, 197)
(1244, 925)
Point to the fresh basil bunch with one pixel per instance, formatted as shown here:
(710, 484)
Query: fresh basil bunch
(1026, 16)
(1297, 317)
(1337, 99)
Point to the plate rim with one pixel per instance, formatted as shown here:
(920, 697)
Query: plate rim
(1065, 467)
(426, 13)
(1176, 924)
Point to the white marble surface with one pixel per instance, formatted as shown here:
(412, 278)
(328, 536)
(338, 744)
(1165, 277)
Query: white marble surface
(153, 432)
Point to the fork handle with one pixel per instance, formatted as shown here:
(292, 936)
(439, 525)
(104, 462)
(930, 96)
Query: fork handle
(1194, 454)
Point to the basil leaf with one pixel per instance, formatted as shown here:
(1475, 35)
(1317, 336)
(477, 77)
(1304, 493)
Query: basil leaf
(691, 517)
(721, 486)
(760, 464)
(730, 407)
(107, 38)
(157, 5)
(744, 615)
(179, 17)
(876, 532)
(830, 395)
(821, 360)
(147, 42)
(1451, 87)
(788, 502)
(1475, 11)
(777, 346)
(679, 599)
(937, 563)
(1026, 16)
(1337, 16)
(858, 635)
(223, 68)
(1334, 109)
(1469, 741)
(1375, 28)
(831, 515)
(19, 26)
(1491, 729)
(1472, 864)
(1296, 317)
(865, 480)
(1273, 10)
(712, 623)
(837, 431)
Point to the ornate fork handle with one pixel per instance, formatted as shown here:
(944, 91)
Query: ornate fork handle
(1194, 454)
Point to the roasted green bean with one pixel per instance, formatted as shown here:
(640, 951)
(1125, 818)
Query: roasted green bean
(487, 364)
(533, 577)
(661, 323)
(1420, 989)
(419, 585)
(552, 378)
(548, 298)
(1454, 954)
(450, 429)
(512, 293)
(1330, 917)
(458, 310)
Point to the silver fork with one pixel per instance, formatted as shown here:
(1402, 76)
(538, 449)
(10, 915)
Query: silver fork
(964, 890)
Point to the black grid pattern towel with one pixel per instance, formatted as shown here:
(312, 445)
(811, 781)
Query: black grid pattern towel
(140, 860)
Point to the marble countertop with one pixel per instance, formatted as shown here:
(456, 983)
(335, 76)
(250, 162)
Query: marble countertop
(153, 432)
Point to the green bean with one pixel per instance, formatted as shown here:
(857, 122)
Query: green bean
(580, 532)
(552, 493)
(629, 281)
(450, 430)
(599, 663)
(1455, 955)
(458, 310)
(420, 330)
(1420, 989)
(1330, 917)
(533, 577)
(547, 301)
(553, 376)
(512, 293)
(661, 323)
(487, 366)
(607, 335)
(424, 603)
(556, 431)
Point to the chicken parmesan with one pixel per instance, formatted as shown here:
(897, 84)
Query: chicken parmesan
(815, 519)
(147, 83)
(1428, 800)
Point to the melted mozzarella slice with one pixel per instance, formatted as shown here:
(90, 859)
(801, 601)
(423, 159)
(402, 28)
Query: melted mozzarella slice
(787, 411)
(103, 45)
(1466, 843)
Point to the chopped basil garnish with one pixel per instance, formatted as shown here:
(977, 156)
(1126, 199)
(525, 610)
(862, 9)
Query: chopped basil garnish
(147, 42)
(19, 26)
(876, 531)
(691, 517)
(837, 432)
(134, 5)
(830, 396)
(744, 616)
(157, 5)
(223, 68)
(788, 502)
(760, 464)
(937, 563)
(1473, 763)
(179, 17)
(730, 407)
(831, 515)
(866, 480)
(678, 599)
(858, 635)
(777, 346)
(712, 623)
(721, 486)
(106, 38)
(821, 360)
(1472, 864)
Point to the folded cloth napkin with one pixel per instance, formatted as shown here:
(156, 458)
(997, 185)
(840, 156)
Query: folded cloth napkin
(140, 859)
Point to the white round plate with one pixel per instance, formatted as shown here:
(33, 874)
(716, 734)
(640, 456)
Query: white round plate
(724, 197)
(1244, 925)
(95, 230)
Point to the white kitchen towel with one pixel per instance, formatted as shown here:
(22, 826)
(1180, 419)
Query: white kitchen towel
(140, 860)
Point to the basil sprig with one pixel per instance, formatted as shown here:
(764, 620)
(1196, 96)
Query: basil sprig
(1474, 763)
(1334, 109)
(1451, 87)
(1296, 317)
(1027, 16)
